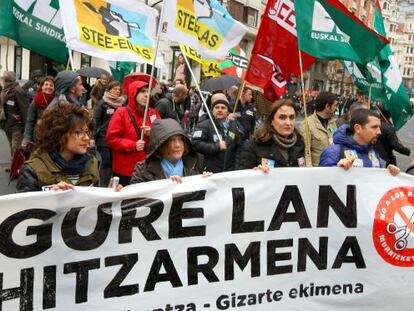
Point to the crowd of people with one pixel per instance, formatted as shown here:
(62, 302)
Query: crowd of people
(75, 144)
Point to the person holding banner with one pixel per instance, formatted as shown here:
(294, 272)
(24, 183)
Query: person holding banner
(354, 144)
(124, 132)
(276, 143)
(62, 160)
(169, 155)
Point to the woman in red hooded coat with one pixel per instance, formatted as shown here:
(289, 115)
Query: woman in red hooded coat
(123, 137)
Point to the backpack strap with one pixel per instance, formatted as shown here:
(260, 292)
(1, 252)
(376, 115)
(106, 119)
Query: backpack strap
(134, 123)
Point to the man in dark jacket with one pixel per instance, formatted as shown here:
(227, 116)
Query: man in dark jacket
(354, 144)
(174, 106)
(388, 141)
(13, 110)
(68, 86)
(219, 151)
(245, 114)
(31, 86)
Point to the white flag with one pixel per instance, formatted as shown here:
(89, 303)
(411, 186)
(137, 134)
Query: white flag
(115, 30)
(203, 25)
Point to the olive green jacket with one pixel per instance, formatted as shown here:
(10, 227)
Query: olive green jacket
(318, 137)
(40, 170)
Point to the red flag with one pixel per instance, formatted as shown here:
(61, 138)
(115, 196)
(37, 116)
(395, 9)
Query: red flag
(275, 50)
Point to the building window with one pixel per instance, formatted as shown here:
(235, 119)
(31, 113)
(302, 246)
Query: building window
(18, 56)
(250, 16)
(236, 10)
(86, 60)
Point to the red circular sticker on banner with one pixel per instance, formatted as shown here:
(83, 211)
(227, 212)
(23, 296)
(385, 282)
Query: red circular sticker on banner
(393, 230)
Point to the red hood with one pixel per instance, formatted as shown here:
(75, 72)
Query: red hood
(132, 93)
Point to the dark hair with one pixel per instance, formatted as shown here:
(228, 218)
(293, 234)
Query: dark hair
(112, 84)
(266, 131)
(360, 116)
(59, 121)
(323, 99)
(47, 78)
(246, 88)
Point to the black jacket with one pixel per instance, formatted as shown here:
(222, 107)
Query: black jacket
(387, 142)
(102, 116)
(206, 142)
(255, 151)
(165, 108)
(246, 119)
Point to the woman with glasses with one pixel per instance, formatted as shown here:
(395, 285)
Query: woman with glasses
(61, 160)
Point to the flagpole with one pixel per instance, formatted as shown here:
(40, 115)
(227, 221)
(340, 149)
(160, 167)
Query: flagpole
(369, 96)
(71, 60)
(152, 71)
(202, 97)
(307, 132)
(7, 54)
(242, 85)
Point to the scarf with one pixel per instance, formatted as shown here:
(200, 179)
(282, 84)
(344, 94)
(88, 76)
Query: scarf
(172, 169)
(41, 99)
(73, 100)
(112, 100)
(73, 167)
(285, 142)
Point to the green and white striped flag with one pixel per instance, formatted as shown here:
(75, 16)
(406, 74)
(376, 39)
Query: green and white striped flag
(396, 99)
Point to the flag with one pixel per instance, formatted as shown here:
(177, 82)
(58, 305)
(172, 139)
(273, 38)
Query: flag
(120, 69)
(275, 53)
(203, 25)
(365, 78)
(396, 101)
(113, 30)
(235, 64)
(208, 66)
(326, 29)
(36, 26)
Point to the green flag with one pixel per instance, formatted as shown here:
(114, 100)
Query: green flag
(120, 69)
(396, 99)
(326, 29)
(36, 25)
(366, 78)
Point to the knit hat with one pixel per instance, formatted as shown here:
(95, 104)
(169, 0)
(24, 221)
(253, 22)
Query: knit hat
(65, 80)
(219, 98)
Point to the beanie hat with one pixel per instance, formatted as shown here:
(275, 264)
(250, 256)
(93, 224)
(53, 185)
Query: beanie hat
(219, 98)
(65, 80)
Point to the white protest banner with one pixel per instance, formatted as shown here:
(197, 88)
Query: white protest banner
(294, 239)
(115, 30)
